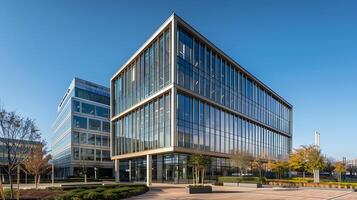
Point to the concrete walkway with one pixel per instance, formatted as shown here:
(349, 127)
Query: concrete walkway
(177, 192)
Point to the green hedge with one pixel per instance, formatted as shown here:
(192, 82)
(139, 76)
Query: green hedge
(108, 192)
(296, 183)
(238, 179)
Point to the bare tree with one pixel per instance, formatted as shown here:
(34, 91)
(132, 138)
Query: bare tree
(37, 163)
(18, 135)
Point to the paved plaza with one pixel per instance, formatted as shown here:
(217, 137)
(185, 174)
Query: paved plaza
(161, 191)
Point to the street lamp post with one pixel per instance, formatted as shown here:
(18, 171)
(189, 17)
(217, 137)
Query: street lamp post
(53, 174)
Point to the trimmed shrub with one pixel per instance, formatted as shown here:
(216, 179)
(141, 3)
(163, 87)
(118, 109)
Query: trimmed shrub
(238, 179)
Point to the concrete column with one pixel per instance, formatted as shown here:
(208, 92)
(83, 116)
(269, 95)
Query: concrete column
(148, 169)
(116, 170)
(159, 168)
(129, 170)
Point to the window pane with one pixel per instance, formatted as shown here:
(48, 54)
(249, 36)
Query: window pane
(106, 127)
(102, 112)
(91, 96)
(94, 124)
(97, 155)
(167, 58)
(91, 139)
(106, 155)
(87, 154)
(75, 153)
(98, 140)
(76, 106)
(75, 138)
(87, 108)
(83, 138)
(105, 141)
(79, 122)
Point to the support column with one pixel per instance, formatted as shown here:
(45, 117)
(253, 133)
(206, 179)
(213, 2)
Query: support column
(148, 169)
(129, 170)
(159, 164)
(116, 170)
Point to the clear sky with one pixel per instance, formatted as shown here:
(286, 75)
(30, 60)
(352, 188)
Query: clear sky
(304, 50)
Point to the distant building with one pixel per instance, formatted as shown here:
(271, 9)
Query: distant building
(80, 140)
(179, 94)
(26, 145)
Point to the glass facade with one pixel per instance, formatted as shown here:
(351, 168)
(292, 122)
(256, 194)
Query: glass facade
(81, 131)
(148, 73)
(203, 126)
(146, 127)
(172, 168)
(203, 71)
(187, 96)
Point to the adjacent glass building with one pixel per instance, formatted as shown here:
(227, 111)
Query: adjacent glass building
(179, 94)
(80, 141)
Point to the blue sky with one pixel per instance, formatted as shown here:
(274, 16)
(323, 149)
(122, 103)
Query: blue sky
(304, 50)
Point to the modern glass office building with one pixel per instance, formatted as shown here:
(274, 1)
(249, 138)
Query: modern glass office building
(179, 94)
(80, 141)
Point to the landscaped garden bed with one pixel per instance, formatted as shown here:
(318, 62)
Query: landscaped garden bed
(307, 184)
(197, 189)
(241, 181)
(107, 192)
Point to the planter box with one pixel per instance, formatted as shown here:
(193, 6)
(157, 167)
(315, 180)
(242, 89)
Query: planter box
(198, 190)
(250, 185)
(231, 184)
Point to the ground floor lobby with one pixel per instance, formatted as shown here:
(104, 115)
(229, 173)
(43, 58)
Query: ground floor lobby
(170, 168)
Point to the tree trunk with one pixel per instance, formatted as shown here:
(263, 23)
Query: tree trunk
(260, 175)
(303, 175)
(203, 175)
(193, 176)
(11, 185)
(2, 189)
(18, 183)
(197, 175)
(39, 179)
(36, 186)
(85, 178)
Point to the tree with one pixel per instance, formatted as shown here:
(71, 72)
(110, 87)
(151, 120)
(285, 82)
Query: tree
(84, 169)
(241, 160)
(279, 167)
(339, 169)
(298, 160)
(315, 161)
(258, 164)
(199, 164)
(329, 167)
(351, 169)
(37, 163)
(18, 135)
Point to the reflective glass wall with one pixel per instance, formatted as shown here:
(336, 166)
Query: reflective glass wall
(206, 72)
(146, 127)
(148, 73)
(172, 168)
(206, 127)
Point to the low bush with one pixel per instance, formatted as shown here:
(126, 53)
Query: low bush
(108, 192)
(240, 179)
(199, 186)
